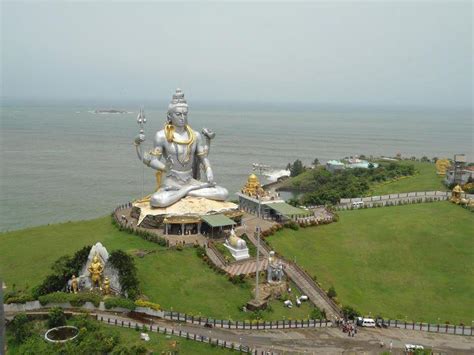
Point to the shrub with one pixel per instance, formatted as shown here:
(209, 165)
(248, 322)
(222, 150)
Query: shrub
(317, 314)
(127, 272)
(20, 328)
(292, 225)
(119, 302)
(349, 312)
(63, 269)
(17, 297)
(56, 317)
(76, 299)
(143, 303)
(331, 292)
(79, 299)
(55, 297)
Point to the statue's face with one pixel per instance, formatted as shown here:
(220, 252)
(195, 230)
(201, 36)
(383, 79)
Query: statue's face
(179, 116)
(96, 259)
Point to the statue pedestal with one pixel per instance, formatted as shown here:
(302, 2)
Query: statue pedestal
(238, 254)
(256, 305)
(189, 209)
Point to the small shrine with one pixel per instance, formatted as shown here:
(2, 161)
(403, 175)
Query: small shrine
(254, 199)
(253, 188)
(96, 275)
(237, 246)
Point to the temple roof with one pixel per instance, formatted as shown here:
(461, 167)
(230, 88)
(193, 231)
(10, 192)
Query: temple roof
(218, 220)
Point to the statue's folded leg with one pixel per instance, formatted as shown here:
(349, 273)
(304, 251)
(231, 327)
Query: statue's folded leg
(212, 193)
(163, 198)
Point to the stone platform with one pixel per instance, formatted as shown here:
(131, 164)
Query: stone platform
(187, 210)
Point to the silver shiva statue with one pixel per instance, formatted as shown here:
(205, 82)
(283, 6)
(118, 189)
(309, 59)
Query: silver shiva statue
(179, 153)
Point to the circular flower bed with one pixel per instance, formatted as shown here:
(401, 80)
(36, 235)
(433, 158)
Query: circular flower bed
(61, 334)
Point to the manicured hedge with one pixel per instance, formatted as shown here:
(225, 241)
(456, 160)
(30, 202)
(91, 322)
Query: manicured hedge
(143, 303)
(76, 299)
(119, 302)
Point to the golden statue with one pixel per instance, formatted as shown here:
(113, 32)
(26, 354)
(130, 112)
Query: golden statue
(96, 268)
(253, 188)
(74, 284)
(442, 165)
(456, 194)
(106, 286)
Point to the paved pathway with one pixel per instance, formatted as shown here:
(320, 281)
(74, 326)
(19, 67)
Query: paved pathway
(247, 267)
(310, 289)
(216, 260)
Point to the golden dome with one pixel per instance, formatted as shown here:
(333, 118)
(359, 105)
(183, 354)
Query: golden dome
(253, 178)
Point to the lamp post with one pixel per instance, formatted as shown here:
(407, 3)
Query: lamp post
(258, 264)
(141, 120)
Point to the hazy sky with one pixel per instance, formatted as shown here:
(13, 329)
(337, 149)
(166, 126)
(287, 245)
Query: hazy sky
(381, 53)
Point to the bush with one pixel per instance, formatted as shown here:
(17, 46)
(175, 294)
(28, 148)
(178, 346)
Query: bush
(17, 297)
(119, 302)
(317, 314)
(20, 328)
(349, 312)
(56, 317)
(143, 303)
(292, 225)
(63, 269)
(127, 270)
(331, 292)
(79, 299)
(76, 299)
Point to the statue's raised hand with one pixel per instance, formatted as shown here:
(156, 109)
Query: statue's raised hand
(139, 139)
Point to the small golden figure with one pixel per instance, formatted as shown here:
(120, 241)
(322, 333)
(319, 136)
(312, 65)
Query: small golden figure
(456, 194)
(74, 284)
(96, 268)
(106, 286)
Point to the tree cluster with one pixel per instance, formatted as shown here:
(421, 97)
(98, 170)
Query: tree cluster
(323, 187)
(127, 270)
(63, 269)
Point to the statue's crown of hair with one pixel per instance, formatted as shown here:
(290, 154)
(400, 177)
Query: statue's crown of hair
(177, 100)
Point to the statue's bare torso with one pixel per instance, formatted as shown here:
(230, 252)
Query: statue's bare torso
(179, 153)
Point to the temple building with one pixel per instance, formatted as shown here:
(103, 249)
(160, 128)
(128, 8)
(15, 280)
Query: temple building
(254, 199)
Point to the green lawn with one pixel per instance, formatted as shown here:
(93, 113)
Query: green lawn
(174, 279)
(425, 179)
(414, 261)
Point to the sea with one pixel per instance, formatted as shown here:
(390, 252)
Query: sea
(64, 163)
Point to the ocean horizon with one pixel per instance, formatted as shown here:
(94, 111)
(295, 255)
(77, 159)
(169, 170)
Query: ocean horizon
(62, 162)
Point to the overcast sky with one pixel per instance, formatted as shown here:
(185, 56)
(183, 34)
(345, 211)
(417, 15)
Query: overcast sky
(380, 53)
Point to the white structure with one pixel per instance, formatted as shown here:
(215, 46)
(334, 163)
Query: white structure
(237, 246)
(274, 269)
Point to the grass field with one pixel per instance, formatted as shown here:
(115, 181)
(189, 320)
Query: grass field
(176, 280)
(414, 261)
(425, 179)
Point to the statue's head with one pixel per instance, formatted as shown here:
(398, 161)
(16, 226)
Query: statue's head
(95, 259)
(178, 110)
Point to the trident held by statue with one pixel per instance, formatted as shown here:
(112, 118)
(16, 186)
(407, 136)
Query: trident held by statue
(141, 120)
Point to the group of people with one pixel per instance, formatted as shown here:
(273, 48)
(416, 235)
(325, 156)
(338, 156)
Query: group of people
(347, 327)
